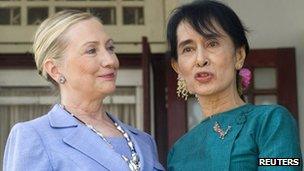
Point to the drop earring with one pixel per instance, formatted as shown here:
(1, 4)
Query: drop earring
(182, 90)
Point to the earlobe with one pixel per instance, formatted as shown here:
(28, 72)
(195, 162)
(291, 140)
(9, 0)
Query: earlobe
(175, 66)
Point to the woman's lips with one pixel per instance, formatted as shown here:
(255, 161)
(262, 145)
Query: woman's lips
(204, 77)
(108, 77)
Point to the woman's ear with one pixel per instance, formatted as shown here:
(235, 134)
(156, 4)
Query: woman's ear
(240, 57)
(174, 65)
(52, 69)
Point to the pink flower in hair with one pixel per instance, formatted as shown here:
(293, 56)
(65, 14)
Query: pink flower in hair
(246, 77)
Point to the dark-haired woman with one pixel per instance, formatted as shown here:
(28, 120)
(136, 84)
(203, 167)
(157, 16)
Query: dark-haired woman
(208, 48)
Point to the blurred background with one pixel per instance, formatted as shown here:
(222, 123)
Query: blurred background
(146, 85)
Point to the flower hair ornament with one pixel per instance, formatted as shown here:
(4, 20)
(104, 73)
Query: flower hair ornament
(245, 76)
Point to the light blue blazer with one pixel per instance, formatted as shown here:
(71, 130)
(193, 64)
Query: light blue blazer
(57, 141)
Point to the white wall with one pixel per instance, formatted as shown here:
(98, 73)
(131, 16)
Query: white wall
(273, 24)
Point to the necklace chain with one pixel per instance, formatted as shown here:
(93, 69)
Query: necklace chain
(134, 162)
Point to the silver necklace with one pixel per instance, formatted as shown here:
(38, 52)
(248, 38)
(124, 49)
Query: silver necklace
(134, 162)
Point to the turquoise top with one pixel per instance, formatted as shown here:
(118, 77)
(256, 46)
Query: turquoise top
(265, 131)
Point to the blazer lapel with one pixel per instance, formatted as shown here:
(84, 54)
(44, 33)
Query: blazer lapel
(90, 144)
(84, 140)
(144, 151)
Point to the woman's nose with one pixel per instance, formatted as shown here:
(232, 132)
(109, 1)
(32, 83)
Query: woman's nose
(108, 60)
(202, 58)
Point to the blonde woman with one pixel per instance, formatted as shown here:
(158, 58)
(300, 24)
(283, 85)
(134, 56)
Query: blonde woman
(73, 51)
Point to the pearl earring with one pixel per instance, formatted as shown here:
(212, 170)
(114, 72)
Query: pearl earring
(62, 79)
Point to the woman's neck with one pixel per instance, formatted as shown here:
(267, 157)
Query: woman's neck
(90, 111)
(83, 106)
(220, 102)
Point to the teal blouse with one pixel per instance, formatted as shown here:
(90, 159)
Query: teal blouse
(265, 131)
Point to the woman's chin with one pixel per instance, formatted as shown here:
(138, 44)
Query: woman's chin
(205, 92)
(104, 90)
(108, 90)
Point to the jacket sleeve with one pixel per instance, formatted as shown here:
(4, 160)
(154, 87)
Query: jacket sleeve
(279, 138)
(25, 150)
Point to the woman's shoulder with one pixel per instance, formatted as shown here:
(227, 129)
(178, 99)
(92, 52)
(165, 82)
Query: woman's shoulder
(268, 120)
(25, 144)
(28, 132)
(269, 117)
(275, 126)
(269, 112)
(31, 125)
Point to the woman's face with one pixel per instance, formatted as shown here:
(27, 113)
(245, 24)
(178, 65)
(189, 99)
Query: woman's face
(207, 64)
(90, 63)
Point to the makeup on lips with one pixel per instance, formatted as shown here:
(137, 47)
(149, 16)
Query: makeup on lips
(108, 76)
(204, 77)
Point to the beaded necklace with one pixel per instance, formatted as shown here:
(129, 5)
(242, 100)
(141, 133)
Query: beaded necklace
(134, 162)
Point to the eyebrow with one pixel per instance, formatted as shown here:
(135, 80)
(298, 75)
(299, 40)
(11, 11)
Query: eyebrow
(109, 41)
(184, 43)
(90, 42)
(212, 35)
(206, 36)
(97, 42)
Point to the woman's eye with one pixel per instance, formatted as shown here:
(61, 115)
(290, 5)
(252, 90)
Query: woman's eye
(111, 49)
(91, 51)
(213, 44)
(187, 49)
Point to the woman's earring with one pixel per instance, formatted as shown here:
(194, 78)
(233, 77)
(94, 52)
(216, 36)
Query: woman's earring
(196, 96)
(62, 79)
(181, 88)
(239, 66)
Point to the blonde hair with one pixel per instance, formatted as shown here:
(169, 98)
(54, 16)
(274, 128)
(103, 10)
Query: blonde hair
(49, 38)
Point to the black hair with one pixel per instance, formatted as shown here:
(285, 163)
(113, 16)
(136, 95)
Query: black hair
(203, 15)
